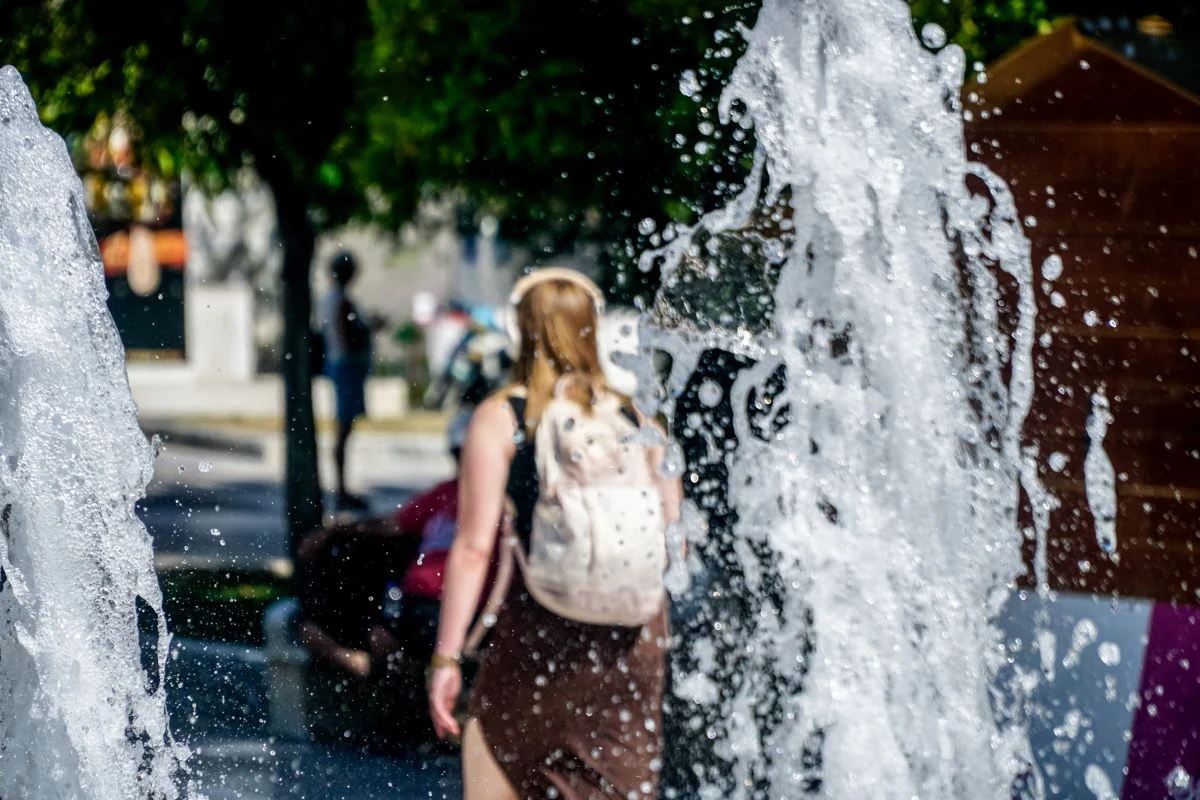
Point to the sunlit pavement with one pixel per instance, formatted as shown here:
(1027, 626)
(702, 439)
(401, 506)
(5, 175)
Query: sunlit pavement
(218, 500)
(266, 771)
(216, 697)
(220, 497)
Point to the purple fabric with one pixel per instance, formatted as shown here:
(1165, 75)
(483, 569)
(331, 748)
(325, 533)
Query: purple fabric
(1166, 726)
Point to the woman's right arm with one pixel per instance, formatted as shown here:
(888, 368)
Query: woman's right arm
(487, 453)
(670, 488)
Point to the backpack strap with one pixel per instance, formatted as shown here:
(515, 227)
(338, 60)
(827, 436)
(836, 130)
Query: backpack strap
(510, 551)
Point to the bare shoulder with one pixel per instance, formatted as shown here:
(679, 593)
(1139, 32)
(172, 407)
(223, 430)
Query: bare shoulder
(493, 419)
(495, 407)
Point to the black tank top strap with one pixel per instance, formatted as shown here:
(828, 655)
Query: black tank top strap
(517, 403)
(631, 415)
(523, 485)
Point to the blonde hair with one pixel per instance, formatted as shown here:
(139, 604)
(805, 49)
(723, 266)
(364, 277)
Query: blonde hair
(558, 321)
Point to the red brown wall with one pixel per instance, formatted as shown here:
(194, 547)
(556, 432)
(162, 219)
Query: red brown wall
(1120, 204)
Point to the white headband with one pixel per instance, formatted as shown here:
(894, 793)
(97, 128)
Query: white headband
(522, 287)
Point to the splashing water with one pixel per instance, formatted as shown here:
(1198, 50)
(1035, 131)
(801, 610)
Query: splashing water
(1099, 785)
(83, 713)
(878, 461)
(1180, 786)
(1099, 479)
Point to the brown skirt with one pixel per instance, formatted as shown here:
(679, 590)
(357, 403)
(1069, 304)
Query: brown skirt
(572, 711)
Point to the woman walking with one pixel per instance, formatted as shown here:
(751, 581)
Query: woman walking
(560, 708)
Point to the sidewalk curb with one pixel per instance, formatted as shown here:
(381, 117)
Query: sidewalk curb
(247, 445)
(252, 444)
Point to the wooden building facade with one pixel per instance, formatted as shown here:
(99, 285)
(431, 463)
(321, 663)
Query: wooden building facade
(1103, 157)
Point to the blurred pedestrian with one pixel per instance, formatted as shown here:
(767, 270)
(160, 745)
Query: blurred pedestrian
(407, 615)
(347, 338)
(561, 707)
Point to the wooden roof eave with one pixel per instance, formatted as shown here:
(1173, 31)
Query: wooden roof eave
(1042, 57)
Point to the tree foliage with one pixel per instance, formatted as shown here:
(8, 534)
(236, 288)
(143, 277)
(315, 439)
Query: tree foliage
(985, 29)
(562, 118)
(215, 85)
(565, 119)
(210, 87)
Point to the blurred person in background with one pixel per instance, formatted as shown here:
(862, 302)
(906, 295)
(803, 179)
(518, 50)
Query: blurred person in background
(346, 333)
(403, 597)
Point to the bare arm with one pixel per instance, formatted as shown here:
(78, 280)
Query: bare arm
(672, 494)
(671, 489)
(487, 453)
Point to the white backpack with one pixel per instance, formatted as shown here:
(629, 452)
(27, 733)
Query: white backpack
(598, 548)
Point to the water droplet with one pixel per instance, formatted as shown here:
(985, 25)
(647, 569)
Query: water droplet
(1052, 267)
(1084, 634)
(1110, 653)
(1091, 318)
(1097, 782)
(215, 531)
(1057, 300)
(689, 84)
(647, 226)
(1179, 783)
(709, 394)
(673, 462)
(205, 466)
(1057, 461)
(933, 35)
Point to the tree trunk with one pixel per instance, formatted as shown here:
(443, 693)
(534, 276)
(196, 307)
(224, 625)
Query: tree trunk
(302, 486)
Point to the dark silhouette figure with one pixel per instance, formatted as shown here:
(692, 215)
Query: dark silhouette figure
(347, 339)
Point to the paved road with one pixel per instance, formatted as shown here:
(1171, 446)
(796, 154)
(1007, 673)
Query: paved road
(265, 771)
(223, 498)
(220, 500)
